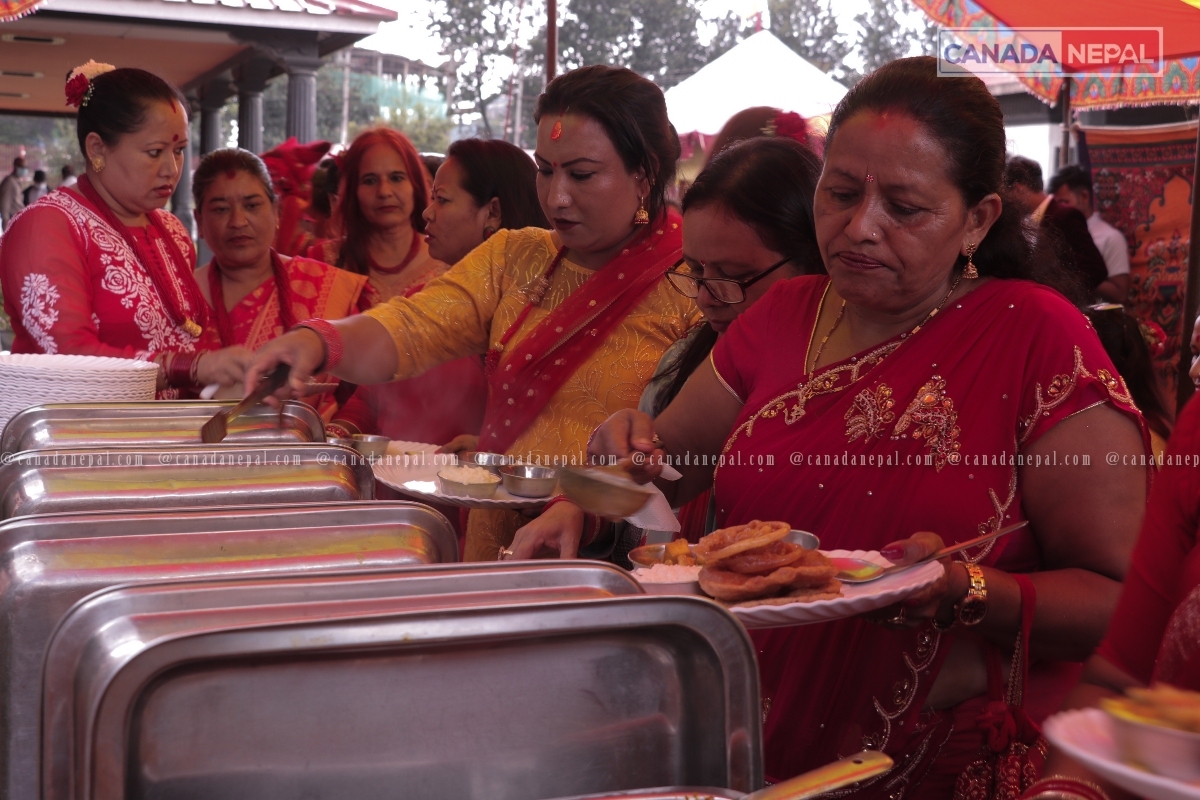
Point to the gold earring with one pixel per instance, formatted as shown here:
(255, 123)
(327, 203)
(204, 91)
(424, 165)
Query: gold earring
(98, 164)
(970, 273)
(642, 217)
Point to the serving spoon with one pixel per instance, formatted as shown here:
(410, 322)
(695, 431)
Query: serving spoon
(857, 570)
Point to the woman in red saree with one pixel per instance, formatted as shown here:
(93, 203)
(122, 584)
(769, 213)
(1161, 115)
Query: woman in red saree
(921, 387)
(571, 322)
(100, 269)
(256, 294)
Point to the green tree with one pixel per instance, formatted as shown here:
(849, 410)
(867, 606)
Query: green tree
(479, 36)
(810, 28)
(892, 29)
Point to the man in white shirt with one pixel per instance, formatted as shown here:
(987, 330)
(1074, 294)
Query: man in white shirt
(1073, 186)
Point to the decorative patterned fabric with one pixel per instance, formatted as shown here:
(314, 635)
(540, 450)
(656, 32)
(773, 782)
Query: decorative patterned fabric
(918, 434)
(381, 288)
(1181, 75)
(72, 284)
(291, 166)
(466, 312)
(11, 10)
(1143, 182)
(1155, 630)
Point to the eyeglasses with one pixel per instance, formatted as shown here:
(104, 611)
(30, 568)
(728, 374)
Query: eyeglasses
(723, 290)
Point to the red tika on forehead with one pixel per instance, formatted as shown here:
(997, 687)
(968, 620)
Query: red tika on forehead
(231, 173)
(556, 131)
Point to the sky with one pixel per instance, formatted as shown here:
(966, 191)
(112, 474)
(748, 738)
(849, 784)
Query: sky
(410, 36)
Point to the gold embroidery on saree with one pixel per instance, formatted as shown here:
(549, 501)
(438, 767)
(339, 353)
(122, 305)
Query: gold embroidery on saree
(869, 413)
(1062, 386)
(827, 382)
(932, 417)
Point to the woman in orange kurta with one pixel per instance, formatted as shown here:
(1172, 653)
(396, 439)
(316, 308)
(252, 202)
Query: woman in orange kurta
(255, 293)
(572, 322)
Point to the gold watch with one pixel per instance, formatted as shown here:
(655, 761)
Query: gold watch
(973, 608)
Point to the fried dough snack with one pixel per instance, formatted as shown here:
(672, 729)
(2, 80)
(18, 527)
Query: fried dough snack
(724, 584)
(739, 538)
(763, 559)
(829, 591)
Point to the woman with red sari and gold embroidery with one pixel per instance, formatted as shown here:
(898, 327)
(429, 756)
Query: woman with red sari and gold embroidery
(925, 385)
(99, 268)
(255, 293)
(572, 321)
(382, 203)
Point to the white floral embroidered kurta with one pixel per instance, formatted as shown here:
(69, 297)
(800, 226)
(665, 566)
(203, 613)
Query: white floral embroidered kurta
(72, 285)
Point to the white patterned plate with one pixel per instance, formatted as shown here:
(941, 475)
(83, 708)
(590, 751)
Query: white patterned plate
(856, 598)
(1087, 736)
(412, 467)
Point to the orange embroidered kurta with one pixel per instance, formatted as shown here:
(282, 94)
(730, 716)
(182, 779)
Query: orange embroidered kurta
(467, 311)
(318, 290)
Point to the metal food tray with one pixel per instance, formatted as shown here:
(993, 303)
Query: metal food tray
(666, 793)
(101, 479)
(47, 563)
(156, 423)
(515, 702)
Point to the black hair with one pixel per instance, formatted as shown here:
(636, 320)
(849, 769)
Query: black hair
(229, 159)
(769, 184)
(1121, 335)
(39, 176)
(325, 181)
(67, 170)
(118, 104)
(632, 111)
(966, 119)
(1022, 171)
(1074, 177)
(432, 161)
(493, 168)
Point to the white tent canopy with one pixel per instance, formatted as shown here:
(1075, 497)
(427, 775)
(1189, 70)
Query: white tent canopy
(759, 71)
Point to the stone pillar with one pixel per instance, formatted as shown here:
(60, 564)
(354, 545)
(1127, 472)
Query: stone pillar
(251, 79)
(302, 97)
(212, 100)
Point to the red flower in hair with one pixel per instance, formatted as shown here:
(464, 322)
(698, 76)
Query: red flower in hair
(791, 125)
(77, 89)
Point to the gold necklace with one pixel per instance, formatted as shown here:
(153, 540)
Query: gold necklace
(921, 324)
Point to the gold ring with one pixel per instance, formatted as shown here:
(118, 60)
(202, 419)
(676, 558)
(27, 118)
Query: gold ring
(898, 619)
(504, 553)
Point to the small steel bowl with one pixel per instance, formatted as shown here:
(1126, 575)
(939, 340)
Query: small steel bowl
(479, 491)
(606, 492)
(492, 462)
(343, 443)
(525, 480)
(371, 446)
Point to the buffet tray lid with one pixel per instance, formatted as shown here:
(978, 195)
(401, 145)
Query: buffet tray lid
(96, 676)
(39, 427)
(68, 479)
(49, 562)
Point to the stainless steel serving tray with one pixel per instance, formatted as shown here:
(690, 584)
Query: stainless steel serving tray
(516, 702)
(157, 423)
(100, 479)
(47, 563)
(666, 793)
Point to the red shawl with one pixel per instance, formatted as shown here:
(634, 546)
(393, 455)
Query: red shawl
(924, 439)
(536, 366)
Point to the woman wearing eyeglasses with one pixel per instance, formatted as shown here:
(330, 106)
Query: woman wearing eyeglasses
(747, 224)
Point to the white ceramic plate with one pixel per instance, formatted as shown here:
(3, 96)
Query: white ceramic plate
(856, 598)
(1087, 736)
(416, 476)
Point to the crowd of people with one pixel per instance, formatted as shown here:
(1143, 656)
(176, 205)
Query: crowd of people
(898, 292)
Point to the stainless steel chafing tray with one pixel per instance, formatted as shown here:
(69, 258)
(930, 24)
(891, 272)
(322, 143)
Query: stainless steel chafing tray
(161, 422)
(666, 793)
(514, 702)
(99, 479)
(49, 562)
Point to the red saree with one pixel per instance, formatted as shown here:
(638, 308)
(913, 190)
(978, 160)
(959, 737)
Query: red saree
(73, 285)
(920, 433)
(530, 371)
(1153, 634)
